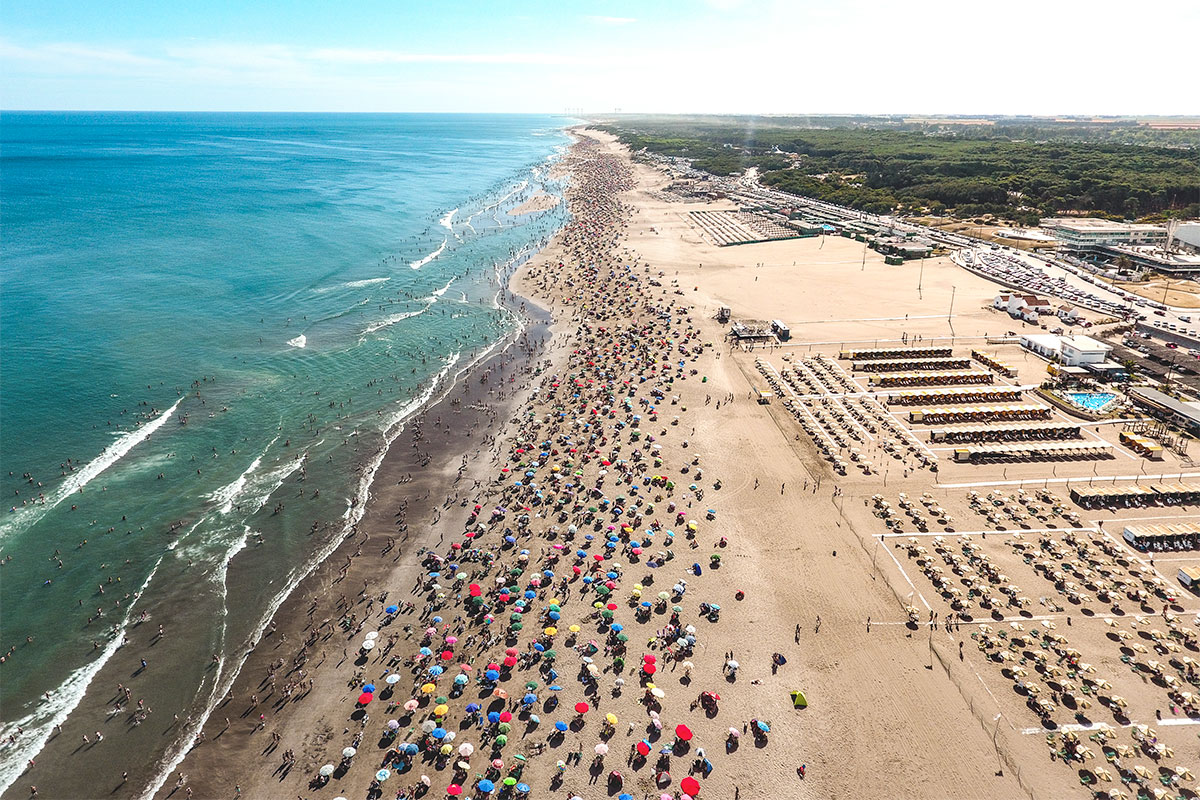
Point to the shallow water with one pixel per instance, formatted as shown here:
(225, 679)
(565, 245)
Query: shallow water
(214, 317)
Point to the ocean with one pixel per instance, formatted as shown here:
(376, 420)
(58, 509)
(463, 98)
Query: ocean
(211, 323)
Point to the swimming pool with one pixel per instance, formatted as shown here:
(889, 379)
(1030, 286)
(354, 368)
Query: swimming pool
(1092, 401)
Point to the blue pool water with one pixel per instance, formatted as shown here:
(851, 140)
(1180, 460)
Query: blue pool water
(1092, 401)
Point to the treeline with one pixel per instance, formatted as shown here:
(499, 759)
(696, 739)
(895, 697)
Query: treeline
(931, 171)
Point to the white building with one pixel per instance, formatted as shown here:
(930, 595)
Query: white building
(1075, 351)
(1071, 351)
(1045, 345)
(1085, 233)
(1068, 314)
(1023, 306)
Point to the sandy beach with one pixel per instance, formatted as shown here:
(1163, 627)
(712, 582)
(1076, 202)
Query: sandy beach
(538, 202)
(615, 453)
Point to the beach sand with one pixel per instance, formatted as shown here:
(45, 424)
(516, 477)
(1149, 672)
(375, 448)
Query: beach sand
(538, 202)
(894, 711)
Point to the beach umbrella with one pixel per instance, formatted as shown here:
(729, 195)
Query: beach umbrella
(473, 707)
(411, 749)
(581, 708)
(411, 705)
(690, 785)
(486, 786)
(643, 748)
(454, 790)
(326, 770)
(392, 609)
(348, 752)
(392, 679)
(601, 749)
(560, 726)
(504, 727)
(438, 733)
(393, 725)
(428, 726)
(501, 740)
(466, 749)
(683, 732)
(764, 727)
(523, 788)
(370, 687)
(383, 775)
(365, 698)
(441, 711)
(368, 644)
(428, 688)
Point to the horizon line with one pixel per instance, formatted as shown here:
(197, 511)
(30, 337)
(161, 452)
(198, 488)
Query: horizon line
(600, 114)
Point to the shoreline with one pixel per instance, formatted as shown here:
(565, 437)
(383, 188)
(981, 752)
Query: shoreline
(523, 345)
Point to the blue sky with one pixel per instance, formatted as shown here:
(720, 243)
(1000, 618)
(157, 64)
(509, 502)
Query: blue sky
(717, 56)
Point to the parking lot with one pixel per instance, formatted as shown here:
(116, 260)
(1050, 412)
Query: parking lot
(1155, 358)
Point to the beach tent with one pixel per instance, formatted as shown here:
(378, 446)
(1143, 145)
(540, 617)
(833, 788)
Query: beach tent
(799, 700)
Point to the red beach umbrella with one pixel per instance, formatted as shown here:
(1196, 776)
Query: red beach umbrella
(581, 708)
(690, 785)
(365, 698)
(683, 732)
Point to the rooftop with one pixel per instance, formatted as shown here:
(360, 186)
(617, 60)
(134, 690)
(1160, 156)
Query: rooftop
(1089, 225)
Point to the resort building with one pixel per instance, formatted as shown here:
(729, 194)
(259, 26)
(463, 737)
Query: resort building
(1086, 234)
(1023, 306)
(1167, 408)
(1071, 351)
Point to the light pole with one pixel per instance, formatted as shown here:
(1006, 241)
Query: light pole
(953, 291)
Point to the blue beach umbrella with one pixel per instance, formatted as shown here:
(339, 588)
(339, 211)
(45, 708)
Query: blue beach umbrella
(370, 687)
(473, 707)
(491, 675)
(438, 733)
(560, 726)
(411, 749)
(392, 609)
(522, 787)
(486, 786)
(493, 717)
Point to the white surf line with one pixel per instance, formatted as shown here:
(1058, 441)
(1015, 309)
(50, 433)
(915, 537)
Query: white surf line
(76, 481)
(430, 257)
(912, 585)
(1085, 479)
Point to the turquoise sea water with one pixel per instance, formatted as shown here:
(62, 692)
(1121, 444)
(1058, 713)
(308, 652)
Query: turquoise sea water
(206, 316)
